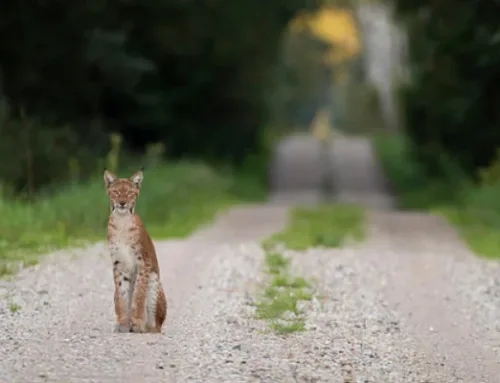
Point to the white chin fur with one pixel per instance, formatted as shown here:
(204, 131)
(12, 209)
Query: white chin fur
(121, 210)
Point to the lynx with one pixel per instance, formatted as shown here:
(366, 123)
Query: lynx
(140, 302)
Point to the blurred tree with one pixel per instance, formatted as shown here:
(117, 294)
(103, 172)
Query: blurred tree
(451, 102)
(193, 75)
(330, 61)
(308, 79)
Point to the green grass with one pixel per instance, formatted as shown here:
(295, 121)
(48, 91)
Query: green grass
(324, 225)
(479, 229)
(473, 209)
(278, 305)
(477, 219)
(176, 198)
(14, 307)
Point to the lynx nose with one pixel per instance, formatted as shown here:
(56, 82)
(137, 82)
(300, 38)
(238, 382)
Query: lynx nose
(122, 204)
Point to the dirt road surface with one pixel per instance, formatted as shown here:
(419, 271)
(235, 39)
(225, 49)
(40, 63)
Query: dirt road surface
(410, 304)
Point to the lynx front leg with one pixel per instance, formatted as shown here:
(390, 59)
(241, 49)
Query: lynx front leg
(122, 301)
(139, 301)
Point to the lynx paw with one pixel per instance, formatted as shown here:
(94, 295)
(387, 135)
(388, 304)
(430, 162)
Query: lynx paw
(122, 328)
(138, 328)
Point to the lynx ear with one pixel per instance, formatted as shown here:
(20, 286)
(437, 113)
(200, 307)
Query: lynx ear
(137, 178)
(109, 178)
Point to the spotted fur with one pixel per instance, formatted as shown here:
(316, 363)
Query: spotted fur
(140, 302)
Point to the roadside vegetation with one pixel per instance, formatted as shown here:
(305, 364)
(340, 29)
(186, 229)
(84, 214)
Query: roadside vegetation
(141, 78)
(445, 158)
(324, 225)
(472, 206)
(176, 198)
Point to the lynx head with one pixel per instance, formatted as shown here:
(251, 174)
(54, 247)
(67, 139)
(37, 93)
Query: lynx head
(122, 192)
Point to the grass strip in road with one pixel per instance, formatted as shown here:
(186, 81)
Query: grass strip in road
(279, 303)
(320, 226)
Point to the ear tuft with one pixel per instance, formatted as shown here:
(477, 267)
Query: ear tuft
(137, 178)
(109, 178)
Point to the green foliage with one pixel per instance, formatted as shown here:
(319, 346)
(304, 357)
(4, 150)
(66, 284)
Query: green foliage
(279, 303)
(325, 225)
(451, 103)
(176, 198)
(478, 218)
(473, 208)
(193, 76)
(306, 78)
(490, 175)
(113, 157)
(363, 112)
(414, 186)
(14, 307)
(33, 153)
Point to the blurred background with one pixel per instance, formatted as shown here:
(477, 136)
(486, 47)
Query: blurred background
(200, 92)
(208, 80)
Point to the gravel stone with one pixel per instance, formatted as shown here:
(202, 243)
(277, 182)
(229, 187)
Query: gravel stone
(409, 305)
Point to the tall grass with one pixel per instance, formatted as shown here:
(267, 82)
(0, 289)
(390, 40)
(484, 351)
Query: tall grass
(176, 198)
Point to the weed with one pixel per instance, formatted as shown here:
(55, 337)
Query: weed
(325, 225)
(14, 307)
(279, 302)
(276, 262)
(5, 269)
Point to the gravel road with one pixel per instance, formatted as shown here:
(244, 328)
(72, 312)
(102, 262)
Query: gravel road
(410, 304)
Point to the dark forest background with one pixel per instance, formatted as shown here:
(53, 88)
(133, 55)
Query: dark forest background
(192, 75)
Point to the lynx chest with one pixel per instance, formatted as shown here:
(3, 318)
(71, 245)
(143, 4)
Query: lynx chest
(123, 247)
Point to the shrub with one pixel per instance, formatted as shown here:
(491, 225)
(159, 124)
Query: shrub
(451, 103)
